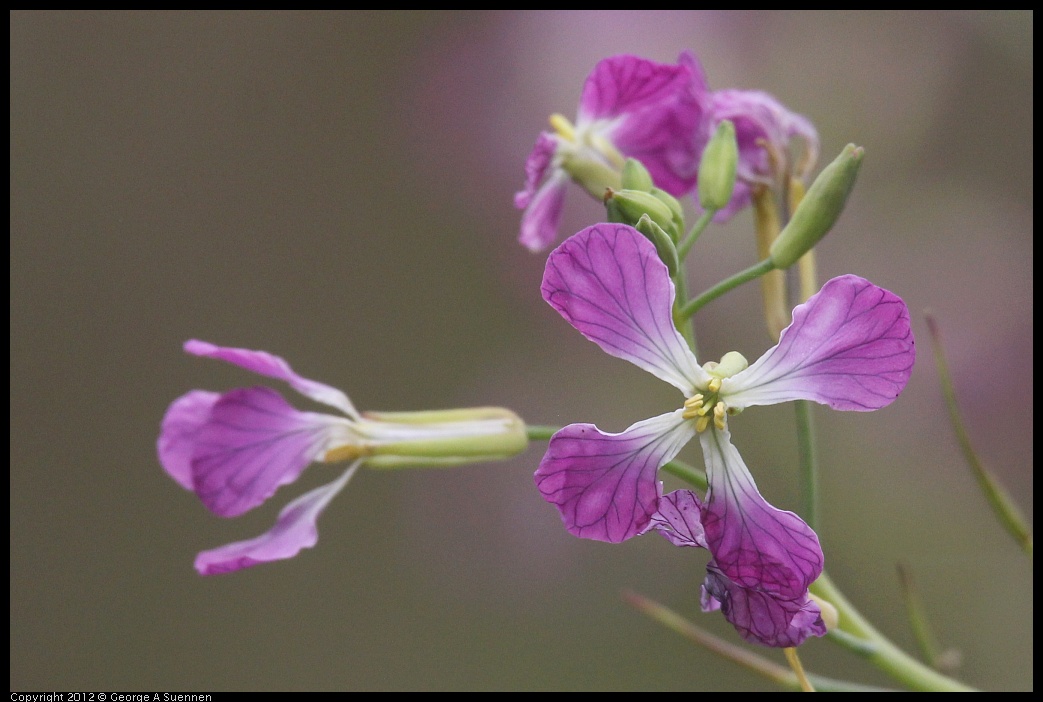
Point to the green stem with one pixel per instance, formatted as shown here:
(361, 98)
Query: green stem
(693, 234)
(685, 326)
(807, 478)
(918, 620)
(752, 273)
(737, 654)
(540, 432)
(865, 640)
(687, 473)
(1002, 504)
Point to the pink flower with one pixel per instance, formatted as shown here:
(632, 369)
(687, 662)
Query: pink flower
(849, 346)
(629, 107)
(234, 450)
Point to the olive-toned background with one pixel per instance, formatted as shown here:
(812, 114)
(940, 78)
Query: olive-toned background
(337, 188)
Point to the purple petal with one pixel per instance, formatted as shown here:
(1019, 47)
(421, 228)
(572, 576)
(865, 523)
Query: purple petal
(761, 119)
(761, 617)
(177, 435)
(273, 366)
(668, 136)
(762, 123)
(536, 167)
(679, 519)
(540, 221)
(652, 112)
(754, 544)
(252, 443)
(608, 282)
(628, 83)
(605, 485)
(294, 529)
(850, 346)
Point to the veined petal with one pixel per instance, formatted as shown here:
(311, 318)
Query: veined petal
(667, 140)
(626, 83)
(754, 544)
(272, 366)
(178, 433)
(679, 519)
(608, 282)
(760, 617)
(539, 225)
(850, 346)
(605, 485)
(294, 529)
(253, 442)
(536, 166)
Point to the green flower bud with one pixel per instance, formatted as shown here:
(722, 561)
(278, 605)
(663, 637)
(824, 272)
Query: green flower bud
(664, 245)
(819, 209)
(636, 176)
(717, 169)
(628, 206)
(675, 209)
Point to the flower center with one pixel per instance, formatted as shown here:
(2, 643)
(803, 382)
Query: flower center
(587, 139)
(708, 404)
(704, 405)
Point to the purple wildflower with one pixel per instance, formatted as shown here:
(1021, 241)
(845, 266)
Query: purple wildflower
(761, 615)
(765, 131)
(234, 450)
(629, 107)
(850, 347)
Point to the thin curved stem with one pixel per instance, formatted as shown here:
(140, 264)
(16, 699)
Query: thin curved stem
(693, 234)
(752, 273)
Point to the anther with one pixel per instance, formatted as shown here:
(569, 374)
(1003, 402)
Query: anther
(563, 127)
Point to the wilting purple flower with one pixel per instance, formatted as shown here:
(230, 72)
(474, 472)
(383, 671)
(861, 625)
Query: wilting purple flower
(235, 449)
(629, 106)
(849, 346)
(761, 615)
(765, 131)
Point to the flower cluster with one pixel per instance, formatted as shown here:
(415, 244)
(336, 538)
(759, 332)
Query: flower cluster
(662, 115)
(643, 129)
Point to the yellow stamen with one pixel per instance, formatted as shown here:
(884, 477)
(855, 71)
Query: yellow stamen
(607, 149)
(714, 385)
(701, 424)
(563, 127)
(348, 452)
(718, 416)
(694, 401)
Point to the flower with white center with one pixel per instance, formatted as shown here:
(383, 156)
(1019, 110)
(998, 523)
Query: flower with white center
(629, 107)
(235, 449)
(849, 347)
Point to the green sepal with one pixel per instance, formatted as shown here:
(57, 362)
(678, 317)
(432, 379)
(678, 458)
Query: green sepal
(664, 245)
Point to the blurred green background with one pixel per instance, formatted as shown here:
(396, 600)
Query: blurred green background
(337, 188)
